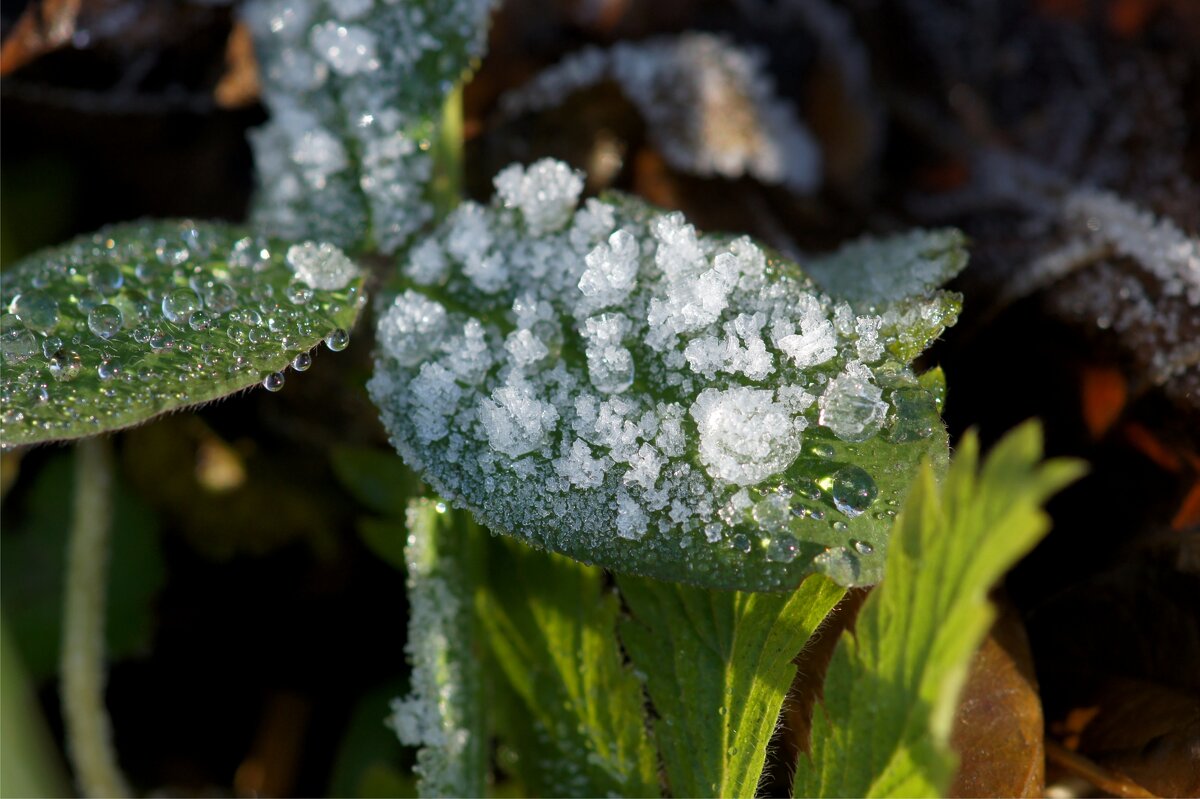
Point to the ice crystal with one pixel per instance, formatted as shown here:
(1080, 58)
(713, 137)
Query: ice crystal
(601, 380)
(710, 106)
(357, 76)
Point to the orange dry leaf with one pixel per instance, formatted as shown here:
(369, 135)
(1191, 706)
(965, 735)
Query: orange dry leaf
(239, 85)
(1104, 397)
(42, 28)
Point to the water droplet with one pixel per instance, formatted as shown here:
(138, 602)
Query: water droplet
(273, 381)
(218, 297)
(90, 299)
(179, 305)
(17, 342)
(863, 547)
(171, 253)
(782, 549)
(741, 543)
(51, 345)
(106, 278)
(853, 490)
(105, 321)
(839, 526)
(302, 362)
(161, 341)
(338, 340)
(916, 415)
(65, 366)
(298, 293)
(822, 450)
(200, 320)
(108, 369)
(37, 309)
(440, 507)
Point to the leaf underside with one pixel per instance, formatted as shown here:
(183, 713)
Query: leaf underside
(892, 687)
(140, 319)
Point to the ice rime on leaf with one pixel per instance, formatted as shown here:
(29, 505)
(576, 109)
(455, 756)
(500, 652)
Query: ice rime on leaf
(710, 106)
(359, 76)
(601, 380)
(440, 713)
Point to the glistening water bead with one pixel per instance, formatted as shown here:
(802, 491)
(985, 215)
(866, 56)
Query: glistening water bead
(179, 305)
(273, 381)
(105, 320)
(37, 310)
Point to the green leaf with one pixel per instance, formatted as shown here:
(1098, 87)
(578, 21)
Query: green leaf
(354, 89)
(112, 329)
(717, 666)
(386, 538)
(34, 562)
(552, 627)
(893, 685)
(606, 383)
(376, 478)
(368, 759)
(444, 712)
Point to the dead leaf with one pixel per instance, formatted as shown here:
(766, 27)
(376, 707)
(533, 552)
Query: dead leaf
(239, 85)
(42, 28)
(1149, 732)
(998, 729)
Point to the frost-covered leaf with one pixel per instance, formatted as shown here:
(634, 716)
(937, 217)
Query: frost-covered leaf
(892, 687)
(710, 106)
(444, 712)
(609, 384)
(354, 88)
(111, 329)
(552, 627)
(717, 666)
(903, 273)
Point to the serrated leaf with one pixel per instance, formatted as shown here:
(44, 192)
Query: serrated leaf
(717, 667)
(606, 383)
(892, 687)
(354, 90)
(444, 712)
(552, 627)
(34, 565)
(139, 319)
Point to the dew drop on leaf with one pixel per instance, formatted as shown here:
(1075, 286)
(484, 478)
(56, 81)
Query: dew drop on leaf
(302, 362)
(853, 490)
(179, 305)
(105, 320)
(37, 309)
(338, 340)
(273, 381)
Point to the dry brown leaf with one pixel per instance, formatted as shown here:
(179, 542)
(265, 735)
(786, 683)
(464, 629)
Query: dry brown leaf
(42, 28)
(998, 729)
(1149, 732)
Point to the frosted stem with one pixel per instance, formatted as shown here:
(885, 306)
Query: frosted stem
(88, 730)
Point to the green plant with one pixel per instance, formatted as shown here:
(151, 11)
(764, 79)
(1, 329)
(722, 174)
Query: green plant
(734, 436)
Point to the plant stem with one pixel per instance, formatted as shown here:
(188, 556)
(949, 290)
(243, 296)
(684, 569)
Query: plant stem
(448, 156)
(88, 730)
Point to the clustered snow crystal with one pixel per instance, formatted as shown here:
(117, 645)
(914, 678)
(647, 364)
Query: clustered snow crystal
(589, 372)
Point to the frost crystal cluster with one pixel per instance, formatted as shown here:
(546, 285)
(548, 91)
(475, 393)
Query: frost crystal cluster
(606, 381)
(710, 106)
(353, 87)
